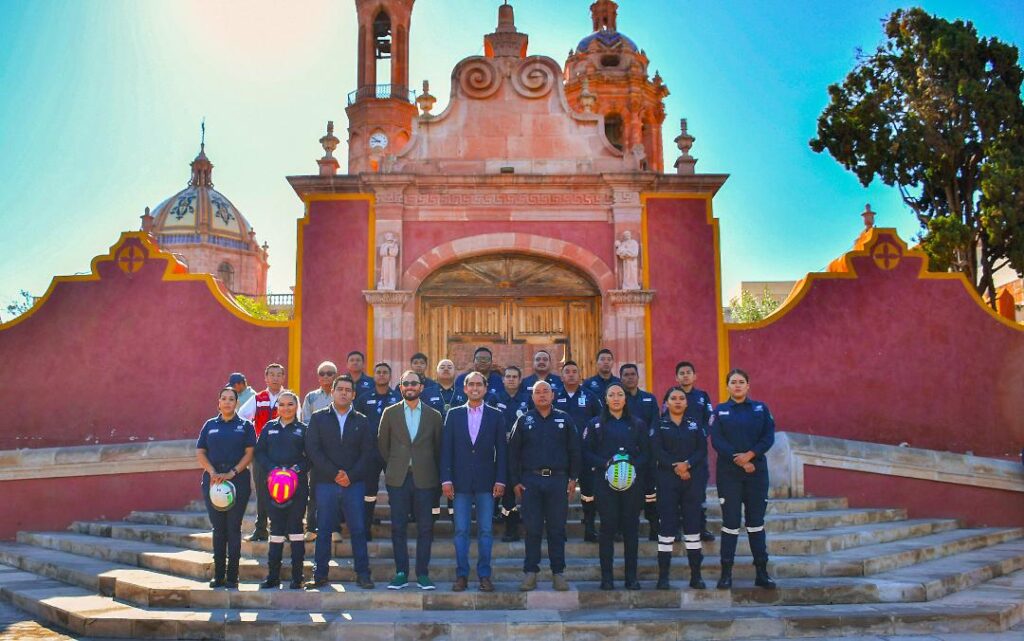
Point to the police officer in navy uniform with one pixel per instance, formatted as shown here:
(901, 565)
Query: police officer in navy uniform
(598, 383)
(618, 432)
(742, 431)
(644, 406)
(355, 362)
(544, 463)
(542, 372)
(372, 405)
(699, 408)
(224, 450)
(483, 361)
(512, 400)
(582, 405)
(679, 449)
(282, 443)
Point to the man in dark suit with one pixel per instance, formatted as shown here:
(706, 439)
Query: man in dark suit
(409, 438)
(473, 470)
(343, 447)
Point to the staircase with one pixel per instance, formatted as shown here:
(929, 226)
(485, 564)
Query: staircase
(841, 572)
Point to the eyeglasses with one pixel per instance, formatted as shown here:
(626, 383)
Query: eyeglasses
(327, 373)
(410, 383)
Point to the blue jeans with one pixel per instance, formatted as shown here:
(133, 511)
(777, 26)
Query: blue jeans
(484, 517)
(331, 500)
(421, 502)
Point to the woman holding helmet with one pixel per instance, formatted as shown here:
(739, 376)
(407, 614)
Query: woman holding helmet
(281, 451)
(224, 451)
(615, 445)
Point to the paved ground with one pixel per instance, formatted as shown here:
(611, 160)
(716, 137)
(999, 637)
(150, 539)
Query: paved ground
(16, 626)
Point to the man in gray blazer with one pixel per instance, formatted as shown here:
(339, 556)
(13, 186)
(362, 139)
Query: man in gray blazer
(409, 439)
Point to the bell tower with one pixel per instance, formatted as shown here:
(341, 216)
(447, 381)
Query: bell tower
(381, 109)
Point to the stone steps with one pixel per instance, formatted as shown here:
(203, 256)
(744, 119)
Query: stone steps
(788, 543)
(994, 606)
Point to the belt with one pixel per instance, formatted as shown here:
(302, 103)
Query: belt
(547, 471)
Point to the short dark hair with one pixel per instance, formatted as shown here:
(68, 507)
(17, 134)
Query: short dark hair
(344, 378)
(681, 364)
(273, 366)
(228, 388)
(737, 370)
(604, 350)
(356, 352)
(508, 367)
(413, 372)
(674, 388)
(625, 366)
(606, 414)
(382, 364)
(570, 362)
(482, 349)
(419, 356)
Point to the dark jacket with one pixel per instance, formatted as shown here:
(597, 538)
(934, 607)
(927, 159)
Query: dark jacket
(283, 446)
(474, 467)
(356, 453)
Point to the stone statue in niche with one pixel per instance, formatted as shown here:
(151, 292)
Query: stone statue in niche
(388, 263)
(628, 252)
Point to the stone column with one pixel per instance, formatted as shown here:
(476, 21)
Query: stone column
(388, 323)
(628, 327)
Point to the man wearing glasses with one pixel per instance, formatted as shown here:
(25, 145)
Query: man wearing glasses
(409, 439)
(483, 362)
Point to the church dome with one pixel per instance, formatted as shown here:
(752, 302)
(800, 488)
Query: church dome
(201, 214)
(609, 39)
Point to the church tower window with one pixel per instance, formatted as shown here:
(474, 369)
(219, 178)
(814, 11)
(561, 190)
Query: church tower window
(613, 129)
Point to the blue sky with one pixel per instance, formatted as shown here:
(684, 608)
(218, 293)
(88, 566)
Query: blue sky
(100, 104)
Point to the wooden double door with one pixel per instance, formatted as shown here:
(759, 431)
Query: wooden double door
(513, 305)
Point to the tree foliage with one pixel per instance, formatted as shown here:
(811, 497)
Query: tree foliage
(257, 307)
(748, 308)
(20, 305)
(937, 112)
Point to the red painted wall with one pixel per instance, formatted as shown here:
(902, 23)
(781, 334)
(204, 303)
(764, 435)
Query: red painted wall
(888, 357)
(976, 506)
(52, 504)
(125, 358)
(684, 312)
(335, 239)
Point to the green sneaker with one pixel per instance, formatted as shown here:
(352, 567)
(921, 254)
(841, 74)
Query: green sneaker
(399, 582)
(425, 583)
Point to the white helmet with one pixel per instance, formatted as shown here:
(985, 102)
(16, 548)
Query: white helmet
(222, 495)
(620, 474)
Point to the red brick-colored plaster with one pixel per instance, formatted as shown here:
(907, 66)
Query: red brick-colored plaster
(125, 358)
(684, 312)
(335, 239)
(53, 504)
(890, 357)
(976, 506)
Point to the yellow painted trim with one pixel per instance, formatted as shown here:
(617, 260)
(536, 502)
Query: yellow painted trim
(175, 271)
(295, 340)
(844, 270)
(721, 332)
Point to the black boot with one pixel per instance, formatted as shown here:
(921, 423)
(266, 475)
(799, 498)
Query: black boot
(231, 576)
(606, 581)
(664, 563)
(298, 556)
(511, 527)
(761, 578)
(273, 566)
(725, 581)
(695, 557)
(368, 508)
(589, 531)
(218, 572)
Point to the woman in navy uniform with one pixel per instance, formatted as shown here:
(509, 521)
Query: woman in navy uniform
(282, 443)
(742, 431)
(680, 452)
(224, 450)
(616, 431)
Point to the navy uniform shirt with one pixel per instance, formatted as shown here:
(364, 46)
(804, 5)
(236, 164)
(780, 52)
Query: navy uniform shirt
(698, 407)
(671, 443)
(599, 385)
(643, 406)
(606, 438)
(553, 379)
(372, 404)
(283, 446)
(581, 406)
(441, 399)
(494, 382)
(742, 427)
(539, 442)
(364, 384)
(225, 441)
(511, 406)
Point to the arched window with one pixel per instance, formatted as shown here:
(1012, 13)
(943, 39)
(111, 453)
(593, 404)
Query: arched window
(613, 129)
(226, 274)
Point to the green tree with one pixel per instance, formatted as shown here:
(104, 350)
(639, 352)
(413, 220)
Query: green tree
(20, 305)
(936, 111)
(748, 308)
(257, 307)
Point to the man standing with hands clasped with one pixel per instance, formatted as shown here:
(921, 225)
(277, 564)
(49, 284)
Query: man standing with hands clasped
(473, 469)
(409, 439)
(544, 462)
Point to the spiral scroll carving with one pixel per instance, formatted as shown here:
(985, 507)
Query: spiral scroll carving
(479, 78)
(533, 79)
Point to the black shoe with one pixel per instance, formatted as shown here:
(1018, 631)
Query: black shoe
(633, 585)
(618, 537)
(697, 583)
(762, 579)
(511, 535)
(270, 584)
(725, 580)
(364, 581)
(217, 583)
(231, 585)
(606, 584)
(663, 583)
(706, 536)
(589, 536)
(296, 584)
(317, 583)
(259, 534)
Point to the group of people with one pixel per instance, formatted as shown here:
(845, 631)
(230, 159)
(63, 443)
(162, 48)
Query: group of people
(491, 443)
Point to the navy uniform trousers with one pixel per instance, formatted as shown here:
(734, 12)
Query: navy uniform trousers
(745, 495)
(545, 508)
